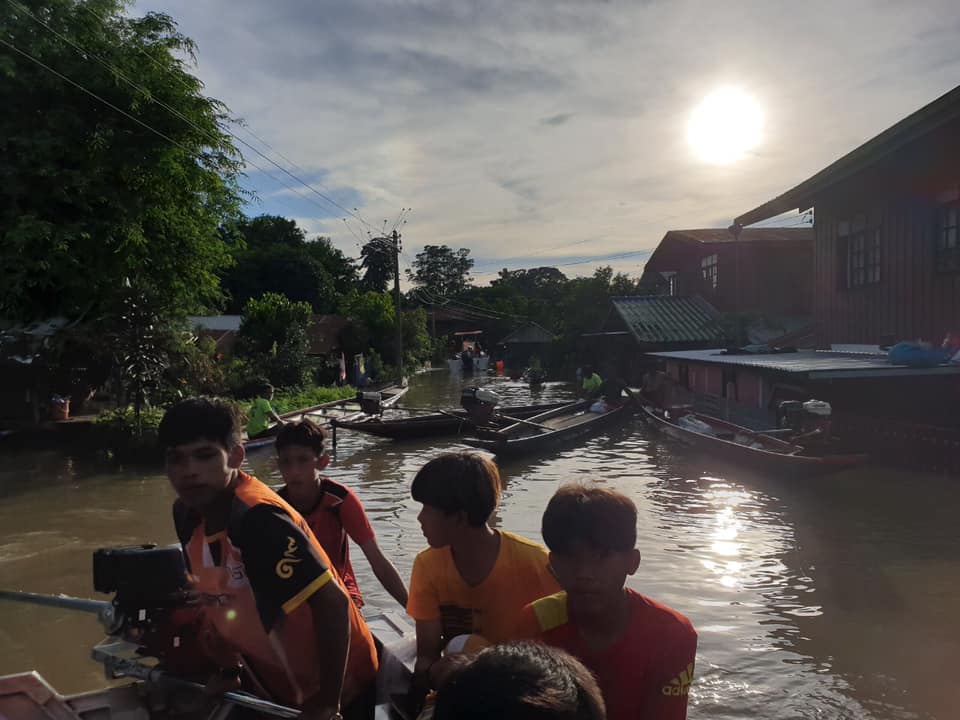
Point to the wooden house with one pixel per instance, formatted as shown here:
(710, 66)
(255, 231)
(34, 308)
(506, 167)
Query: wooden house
(886, 249)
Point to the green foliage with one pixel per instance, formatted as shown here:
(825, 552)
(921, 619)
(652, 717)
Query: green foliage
(196, 368)
(89, 196)
(129, 436)
(377, 263)
(295, 398)
(441, 271)
(273, 337)
(276, 257)
(417, 344)
(372, 321)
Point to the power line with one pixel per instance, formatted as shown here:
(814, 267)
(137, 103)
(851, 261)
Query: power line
(180, 115)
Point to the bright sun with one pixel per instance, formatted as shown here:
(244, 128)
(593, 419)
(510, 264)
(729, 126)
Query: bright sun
(724, 126)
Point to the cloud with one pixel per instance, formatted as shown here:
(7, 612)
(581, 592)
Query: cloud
(463, 111)
(558, 119)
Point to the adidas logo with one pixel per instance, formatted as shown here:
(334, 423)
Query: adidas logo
(680, 685)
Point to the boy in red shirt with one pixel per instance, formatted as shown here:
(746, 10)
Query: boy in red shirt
(333, 511)
(640, 651)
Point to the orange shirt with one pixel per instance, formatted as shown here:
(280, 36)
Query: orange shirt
(337, 517)
(254, 579)
(491, 608)
(645, 675)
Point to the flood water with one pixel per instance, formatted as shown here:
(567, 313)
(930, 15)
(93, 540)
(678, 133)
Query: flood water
(826, 598)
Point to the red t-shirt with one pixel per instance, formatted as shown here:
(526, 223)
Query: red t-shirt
(337, 517)
(646, 674)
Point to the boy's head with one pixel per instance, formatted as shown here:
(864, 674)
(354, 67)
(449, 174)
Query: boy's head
(457, 490)
(265, 390)
(200, 438)
(591, 533)
(300, 454)
(520, 681)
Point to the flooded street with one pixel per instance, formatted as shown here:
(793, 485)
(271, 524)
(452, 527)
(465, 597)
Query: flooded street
(825, 598)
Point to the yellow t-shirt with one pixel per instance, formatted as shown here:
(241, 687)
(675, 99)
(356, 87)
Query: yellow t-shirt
(492, 608)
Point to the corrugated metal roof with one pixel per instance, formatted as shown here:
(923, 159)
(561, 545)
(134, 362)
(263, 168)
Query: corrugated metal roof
(215, 322)
(815, 364)
(666, 319)
(723, 235)
(529, 333)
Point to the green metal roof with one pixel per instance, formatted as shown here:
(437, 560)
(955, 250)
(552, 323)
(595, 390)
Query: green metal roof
(663, 319)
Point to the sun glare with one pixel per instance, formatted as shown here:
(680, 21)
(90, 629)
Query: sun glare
(724, 126)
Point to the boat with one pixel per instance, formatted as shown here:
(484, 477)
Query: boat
(447, 422)
(551, 428)
(741, 445)
(367, 403)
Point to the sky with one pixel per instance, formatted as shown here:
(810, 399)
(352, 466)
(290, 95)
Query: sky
(550, 132)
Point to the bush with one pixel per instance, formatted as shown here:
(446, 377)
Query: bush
(273, 337)
(295, 398)
(121, 435)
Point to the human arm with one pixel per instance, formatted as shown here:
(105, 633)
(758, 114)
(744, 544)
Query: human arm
(290, 574)
(385, 571)
(357, 525)
(423, 606)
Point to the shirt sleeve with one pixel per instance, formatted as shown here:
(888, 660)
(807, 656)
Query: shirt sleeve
(354, 519)
(284, 567)
(423, 602)
(669, 687)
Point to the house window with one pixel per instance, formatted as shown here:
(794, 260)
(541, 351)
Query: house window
(673, 285)
(948, 242)
(859, 253)
(710, 271)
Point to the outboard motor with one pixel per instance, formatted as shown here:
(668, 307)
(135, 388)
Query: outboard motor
(817, 416)
(370, 402)
(479, 403)
(790, 415)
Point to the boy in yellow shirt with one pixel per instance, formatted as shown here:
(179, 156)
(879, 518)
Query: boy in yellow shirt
(472, 580)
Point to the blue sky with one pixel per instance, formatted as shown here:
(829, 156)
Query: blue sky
(550, 132)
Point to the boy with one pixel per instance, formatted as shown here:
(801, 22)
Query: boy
(332, 510)
(262, 413)
(640, 651)
(592, 385)
(520, 681)
(268, 593)
(472, 580)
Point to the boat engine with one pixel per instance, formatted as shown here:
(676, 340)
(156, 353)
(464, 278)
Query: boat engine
(370, 402)
(148, 582)
(479, 403)
(805, 418)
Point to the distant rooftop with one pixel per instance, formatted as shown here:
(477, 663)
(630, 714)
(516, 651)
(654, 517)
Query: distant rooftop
(814, 364)
(215, 322)
(662, 319)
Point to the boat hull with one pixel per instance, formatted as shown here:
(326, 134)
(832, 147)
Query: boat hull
(520, 440)
(778, 457)
(455, 422)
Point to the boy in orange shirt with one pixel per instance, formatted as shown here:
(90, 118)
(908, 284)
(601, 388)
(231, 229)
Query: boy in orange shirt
(333, 511)
(640, 651)
(472, 580)
(269, 596)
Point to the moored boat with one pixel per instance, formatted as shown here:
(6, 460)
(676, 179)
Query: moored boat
(448, 422)
(367, 403)
(741, 445)
(552, 428)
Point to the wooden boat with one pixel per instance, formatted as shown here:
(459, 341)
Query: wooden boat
(551, 428)
(346, 409)
(744, 446)
(448, 422)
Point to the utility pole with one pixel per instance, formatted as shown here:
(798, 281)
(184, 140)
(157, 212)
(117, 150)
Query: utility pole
(396, 302)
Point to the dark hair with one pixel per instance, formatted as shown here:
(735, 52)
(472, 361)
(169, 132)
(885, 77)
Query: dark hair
(200, 418)
(264, 388)
(459, 482)
(520, 681)
(589, 516)
(305, 433)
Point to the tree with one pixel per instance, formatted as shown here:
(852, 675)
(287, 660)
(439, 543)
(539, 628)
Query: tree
(273, 336)
(377, 263)
(275, 256)
(90, 196)
(440, 271)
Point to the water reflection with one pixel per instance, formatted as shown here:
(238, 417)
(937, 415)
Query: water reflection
(828, 598)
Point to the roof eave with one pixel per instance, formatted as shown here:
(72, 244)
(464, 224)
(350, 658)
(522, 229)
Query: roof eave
(940, 111)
